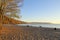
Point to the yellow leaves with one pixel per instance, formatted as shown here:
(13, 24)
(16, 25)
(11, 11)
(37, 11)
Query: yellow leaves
(9, 6)
(0, 3)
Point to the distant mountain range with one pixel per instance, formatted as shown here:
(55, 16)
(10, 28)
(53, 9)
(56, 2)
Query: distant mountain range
(39, 23)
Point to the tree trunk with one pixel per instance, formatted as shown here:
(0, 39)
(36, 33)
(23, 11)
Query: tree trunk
(1, 21)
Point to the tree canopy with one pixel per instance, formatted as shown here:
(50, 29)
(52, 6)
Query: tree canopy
(10, 8)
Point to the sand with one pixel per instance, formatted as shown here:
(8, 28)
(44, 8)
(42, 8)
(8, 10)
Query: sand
(14, 32)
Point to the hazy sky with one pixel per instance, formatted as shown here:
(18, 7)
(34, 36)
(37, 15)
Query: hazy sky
(41, 11)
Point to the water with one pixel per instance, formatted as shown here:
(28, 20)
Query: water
(43, 25)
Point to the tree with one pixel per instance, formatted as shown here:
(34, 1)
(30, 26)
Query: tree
(9, 8)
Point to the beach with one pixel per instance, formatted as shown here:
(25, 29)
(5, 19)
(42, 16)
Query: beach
(14, 32)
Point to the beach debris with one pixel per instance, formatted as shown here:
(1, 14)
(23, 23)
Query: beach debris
(40, 26)
(54, 28)
(27, 25)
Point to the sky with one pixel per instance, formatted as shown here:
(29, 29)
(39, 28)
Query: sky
(41, 11)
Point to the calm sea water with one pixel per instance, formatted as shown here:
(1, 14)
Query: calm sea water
(43, 25)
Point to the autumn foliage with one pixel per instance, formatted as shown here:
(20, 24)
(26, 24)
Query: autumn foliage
(9, 9)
